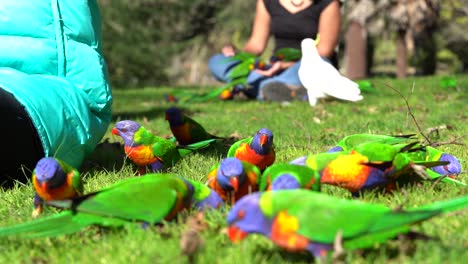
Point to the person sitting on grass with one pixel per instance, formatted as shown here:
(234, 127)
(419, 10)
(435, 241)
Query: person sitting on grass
(289, 21)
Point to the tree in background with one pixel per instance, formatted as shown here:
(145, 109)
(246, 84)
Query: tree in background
(141, 36)
(151, 43)
(413, 23)
(454, 22)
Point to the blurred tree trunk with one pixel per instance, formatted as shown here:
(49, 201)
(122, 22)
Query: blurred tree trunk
(356, 51)
(412, 19)
(401, 54)
(359, 18)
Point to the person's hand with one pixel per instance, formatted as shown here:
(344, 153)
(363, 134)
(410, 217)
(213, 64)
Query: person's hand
(275, 68)
(228, 50)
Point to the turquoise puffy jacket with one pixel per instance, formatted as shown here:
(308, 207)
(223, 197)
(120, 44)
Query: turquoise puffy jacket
(51, 61)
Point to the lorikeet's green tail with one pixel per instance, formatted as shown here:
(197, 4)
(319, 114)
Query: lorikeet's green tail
(60, 224)
(214, 94)
(396, 222)
(187, 149)
(445, 206)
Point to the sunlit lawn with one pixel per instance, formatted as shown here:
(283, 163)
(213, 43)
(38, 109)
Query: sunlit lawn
(299, 130)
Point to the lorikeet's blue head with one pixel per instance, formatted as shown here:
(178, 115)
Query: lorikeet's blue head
(335, 149)
(262, 142)
(174, 116)
(211, 201)
(48, 171)
(126, 129)
(246, 217)
(299, 161)
(451, 169)
(285, 181)
(230, 174)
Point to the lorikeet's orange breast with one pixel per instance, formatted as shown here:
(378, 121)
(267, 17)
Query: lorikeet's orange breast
(347, 171)
(182, 133)
(249, 186)
(141, 155)
(284, 233)
(245, 153)
(246, 188)
(63, 192)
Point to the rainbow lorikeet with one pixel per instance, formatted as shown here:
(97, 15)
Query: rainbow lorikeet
(233, 178)
(448, 82)
(424, 153)
(371, 166)
(53, 179)
(280, 176)
(286, 54)
(185, 129)
(149, 199)
(147, 150)
(366, 86)
(258, 150)
(301, 220)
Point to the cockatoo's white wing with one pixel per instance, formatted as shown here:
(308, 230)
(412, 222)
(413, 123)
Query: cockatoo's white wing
(320, 77)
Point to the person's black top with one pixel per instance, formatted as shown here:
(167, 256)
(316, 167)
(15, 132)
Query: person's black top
(290, 29)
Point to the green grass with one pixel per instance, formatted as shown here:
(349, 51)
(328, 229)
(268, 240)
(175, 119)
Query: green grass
(299, 130)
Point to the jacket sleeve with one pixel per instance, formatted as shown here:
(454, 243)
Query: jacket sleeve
(52, 62)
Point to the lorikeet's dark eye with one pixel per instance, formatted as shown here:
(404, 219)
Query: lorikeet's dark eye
(240, 214)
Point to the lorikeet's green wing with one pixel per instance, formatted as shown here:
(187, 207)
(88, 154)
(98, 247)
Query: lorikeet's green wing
(145, 137)
(351, 141)
(75, 175)
(236, 145)
(149, 198)
(382, 152)
(242, 69)
(288, 54)
(166, 151)
(366, 86)
(197, 130)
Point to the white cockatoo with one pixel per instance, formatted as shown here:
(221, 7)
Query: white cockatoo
(321, 79)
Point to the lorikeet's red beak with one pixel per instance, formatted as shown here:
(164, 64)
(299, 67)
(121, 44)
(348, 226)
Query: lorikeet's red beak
(263, 139)
(235, 234)
(234, 183)
(44, 186)
(115, 131)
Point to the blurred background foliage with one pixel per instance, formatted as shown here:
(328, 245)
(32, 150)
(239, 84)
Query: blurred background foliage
(168, 42)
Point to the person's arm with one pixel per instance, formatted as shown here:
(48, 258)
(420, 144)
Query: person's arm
(329, 29)
(260, 32)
